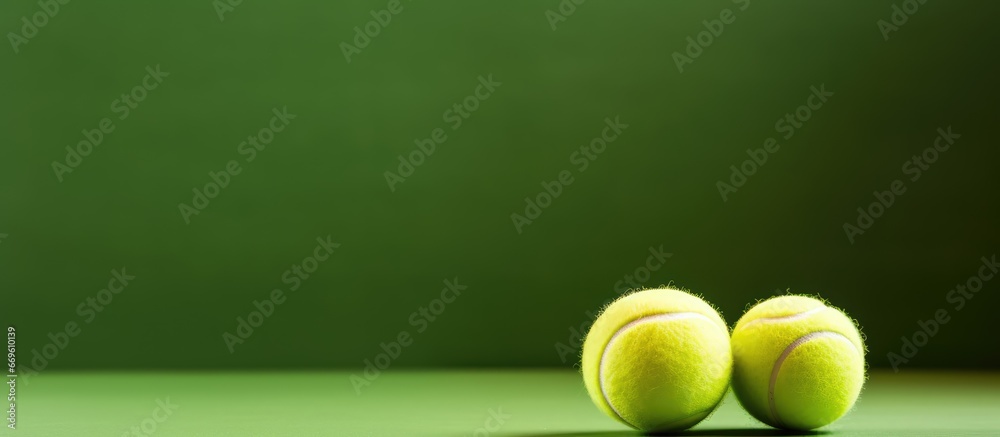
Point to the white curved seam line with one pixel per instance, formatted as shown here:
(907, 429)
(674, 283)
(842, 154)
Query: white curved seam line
(654, 318)
(788, 318)
(781, 359)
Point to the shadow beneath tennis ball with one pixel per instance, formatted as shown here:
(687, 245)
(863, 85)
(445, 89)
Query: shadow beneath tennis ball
(747, 432)
(731, 432)
(578, 434)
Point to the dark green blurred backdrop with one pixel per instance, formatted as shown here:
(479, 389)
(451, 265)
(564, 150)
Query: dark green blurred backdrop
(324, 174)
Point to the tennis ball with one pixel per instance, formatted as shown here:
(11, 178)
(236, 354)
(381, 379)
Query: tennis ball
(657, 360)
(797, 362)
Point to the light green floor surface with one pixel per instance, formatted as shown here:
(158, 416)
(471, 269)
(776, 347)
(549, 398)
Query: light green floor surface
(443, 404)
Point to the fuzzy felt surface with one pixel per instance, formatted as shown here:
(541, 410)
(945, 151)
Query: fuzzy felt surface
(798, 363)
(657, 360)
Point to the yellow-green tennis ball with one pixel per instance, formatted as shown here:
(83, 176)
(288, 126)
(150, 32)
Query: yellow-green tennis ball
(798, 363)
(658, 360)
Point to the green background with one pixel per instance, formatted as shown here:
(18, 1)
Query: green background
(324, 174)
